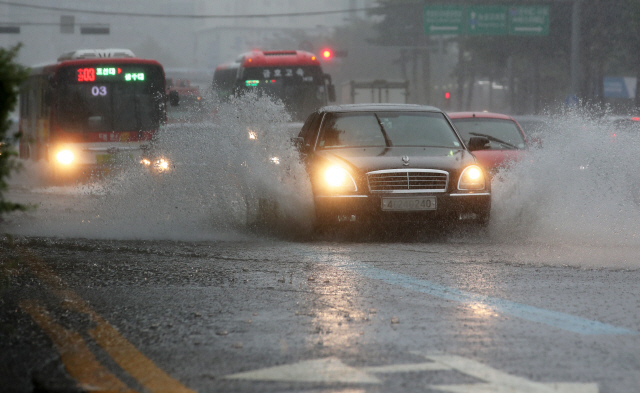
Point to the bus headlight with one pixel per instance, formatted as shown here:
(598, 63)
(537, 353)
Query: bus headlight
(162, 164)
(65, 157)
(338, 179)
(472, 178)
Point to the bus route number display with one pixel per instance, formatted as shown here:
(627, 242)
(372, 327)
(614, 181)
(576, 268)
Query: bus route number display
(86, 74)
(99, 91)
(89, 74)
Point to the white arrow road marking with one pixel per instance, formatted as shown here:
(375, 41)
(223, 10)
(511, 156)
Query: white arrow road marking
(500, 382)
(328, 370)
(332, 370)
(405, 368)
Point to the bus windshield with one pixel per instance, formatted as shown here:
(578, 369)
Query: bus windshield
(300, 88)
(127, 97)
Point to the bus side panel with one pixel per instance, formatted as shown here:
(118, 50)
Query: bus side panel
(35, 114)
(27, 128)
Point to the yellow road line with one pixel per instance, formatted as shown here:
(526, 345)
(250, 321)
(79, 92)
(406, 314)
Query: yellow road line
(79, 361)
(134, 362)
(128, 357)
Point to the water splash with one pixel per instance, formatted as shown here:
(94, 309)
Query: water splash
(581, 187)
(220, 182)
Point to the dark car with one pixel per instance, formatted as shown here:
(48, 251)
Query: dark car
(508, 142)
(383, 162)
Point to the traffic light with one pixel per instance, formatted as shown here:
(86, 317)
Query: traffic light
(329, 55)
(447, 100)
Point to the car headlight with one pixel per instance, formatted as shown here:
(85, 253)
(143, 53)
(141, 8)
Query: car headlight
(472, 178)
(338, 179)
(65, 157)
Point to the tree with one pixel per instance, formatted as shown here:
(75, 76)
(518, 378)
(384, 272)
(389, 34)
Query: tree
(11, 77)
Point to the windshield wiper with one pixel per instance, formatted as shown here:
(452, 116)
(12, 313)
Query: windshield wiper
(494, 139)
(387, 141)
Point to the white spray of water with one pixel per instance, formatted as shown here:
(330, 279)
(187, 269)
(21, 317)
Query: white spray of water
(582, 187)
(575, 199)
(220, 182)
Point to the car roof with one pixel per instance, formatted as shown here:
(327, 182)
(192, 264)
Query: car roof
(378, 107)
(486, 115)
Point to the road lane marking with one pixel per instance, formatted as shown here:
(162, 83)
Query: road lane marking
(405, 368)
(332, 370)
(496, 381)
(556, 319)
(130, 359)
(125, 354)
(327, 370)
(78, 360)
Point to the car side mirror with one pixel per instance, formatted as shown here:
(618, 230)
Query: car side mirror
(174, 98)
(331, 92)
(478, 143)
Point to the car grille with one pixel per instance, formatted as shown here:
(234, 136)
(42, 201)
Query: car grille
(408, 181)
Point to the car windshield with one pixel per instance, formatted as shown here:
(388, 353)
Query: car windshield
(502, 133)
(386, 129)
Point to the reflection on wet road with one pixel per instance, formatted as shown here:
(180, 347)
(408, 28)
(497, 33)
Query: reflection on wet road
(269, 315)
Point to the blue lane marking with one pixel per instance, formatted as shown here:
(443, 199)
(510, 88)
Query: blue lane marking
(530, 313)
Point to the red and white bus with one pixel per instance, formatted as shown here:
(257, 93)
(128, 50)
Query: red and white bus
(90, 109)
(295, 77)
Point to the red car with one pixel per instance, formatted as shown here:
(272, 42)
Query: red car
(507, 140)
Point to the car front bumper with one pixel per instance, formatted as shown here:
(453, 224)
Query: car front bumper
(449, 206)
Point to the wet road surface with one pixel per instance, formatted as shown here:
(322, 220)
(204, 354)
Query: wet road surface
(268, 315)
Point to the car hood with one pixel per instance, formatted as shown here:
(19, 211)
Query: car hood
(367, 159)
(493, 159)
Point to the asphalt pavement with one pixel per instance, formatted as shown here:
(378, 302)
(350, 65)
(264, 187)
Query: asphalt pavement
(263, 314)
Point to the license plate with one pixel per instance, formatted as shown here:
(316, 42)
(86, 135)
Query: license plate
(409, 204)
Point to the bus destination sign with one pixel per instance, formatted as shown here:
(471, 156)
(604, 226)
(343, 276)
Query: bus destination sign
(90, 74)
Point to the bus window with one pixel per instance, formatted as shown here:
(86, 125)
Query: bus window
(113, 104)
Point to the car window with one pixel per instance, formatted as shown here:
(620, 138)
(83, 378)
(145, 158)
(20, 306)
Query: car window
(310, 128)
(503, 133)
(401, 128)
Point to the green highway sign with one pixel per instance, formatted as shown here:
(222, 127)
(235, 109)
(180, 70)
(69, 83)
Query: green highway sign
(529, 20)
(486, 20)
(443, 19)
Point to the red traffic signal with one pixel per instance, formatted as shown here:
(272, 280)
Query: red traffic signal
(327, 54)
(447, 95)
